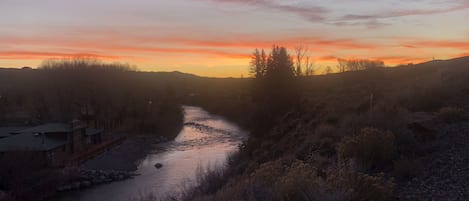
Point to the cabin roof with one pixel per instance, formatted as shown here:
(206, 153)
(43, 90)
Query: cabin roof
(49, 128)
(93, 131)
(8, 131)
(30, 142)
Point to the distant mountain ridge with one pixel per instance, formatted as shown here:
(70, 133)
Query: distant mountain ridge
(459, 61)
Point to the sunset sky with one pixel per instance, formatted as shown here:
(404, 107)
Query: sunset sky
(216, 37)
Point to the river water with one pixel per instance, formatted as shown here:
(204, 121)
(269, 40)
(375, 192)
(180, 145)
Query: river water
(204, 142)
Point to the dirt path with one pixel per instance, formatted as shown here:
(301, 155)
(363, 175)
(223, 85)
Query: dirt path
(446, 177)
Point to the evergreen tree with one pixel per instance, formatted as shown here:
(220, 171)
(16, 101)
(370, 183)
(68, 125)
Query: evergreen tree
(277, 91)
(258, 64)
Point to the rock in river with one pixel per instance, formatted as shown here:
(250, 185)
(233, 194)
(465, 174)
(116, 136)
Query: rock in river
(158, 165)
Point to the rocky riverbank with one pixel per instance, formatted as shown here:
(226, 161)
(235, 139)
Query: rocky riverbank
(89, 178)
(125, 156)
(446, 176)
(116, 164)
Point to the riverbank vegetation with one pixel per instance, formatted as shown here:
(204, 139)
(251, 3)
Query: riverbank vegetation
(110, 96)
(357, 135)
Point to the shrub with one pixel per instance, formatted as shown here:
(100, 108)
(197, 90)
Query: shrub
(322, 141)
(298, 182)
(360, 186)
(451, 114)
(388, 115)
(407, 144)
(211, 179)
(326, 130)
(295, 180)
(291, 179)
(367, 187)
(370, 149)
(406, 168)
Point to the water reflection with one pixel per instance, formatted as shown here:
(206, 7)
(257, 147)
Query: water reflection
(204, 141)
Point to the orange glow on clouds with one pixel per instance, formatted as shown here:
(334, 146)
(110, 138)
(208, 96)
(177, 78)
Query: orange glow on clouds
(42, 55)
(185, 54)
(217, 37)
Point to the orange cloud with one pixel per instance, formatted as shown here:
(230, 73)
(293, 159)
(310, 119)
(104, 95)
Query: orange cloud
(153, 51)
(238, 41)
(390, 60)
(397, 60)
(438, 44)
(44, 55)
(326, 59)
(181, 50)
(315, 43)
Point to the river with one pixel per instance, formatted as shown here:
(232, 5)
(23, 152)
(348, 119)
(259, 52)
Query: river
(204, 142)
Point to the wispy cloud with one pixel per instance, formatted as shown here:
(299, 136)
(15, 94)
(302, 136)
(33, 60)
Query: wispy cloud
(257, 42)
(402, 59)
(463, 45)
(323, 14)
(229, 42)
(458, 5)
(311, 13)
(181, 50)
(44, 55)
(388, 60)
(370, 23)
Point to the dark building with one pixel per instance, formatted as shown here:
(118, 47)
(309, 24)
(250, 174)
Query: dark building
(54, 142)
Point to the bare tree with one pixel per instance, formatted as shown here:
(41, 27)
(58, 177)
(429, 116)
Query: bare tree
(358, 64)
(328, 70)
(303, 62)
(309, 69)
(342, 65)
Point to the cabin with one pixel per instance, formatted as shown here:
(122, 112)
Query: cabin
(9, 131)
(55, 143)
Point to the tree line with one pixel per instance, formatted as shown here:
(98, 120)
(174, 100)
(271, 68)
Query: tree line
(105, 95)
(276, 74)
(358, 64)
(264, 65)
(301, 62)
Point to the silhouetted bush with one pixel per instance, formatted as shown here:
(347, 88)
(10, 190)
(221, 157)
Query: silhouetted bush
(451, 114)
(370, 149)
(367, 187)
(290, 179)
(407, 168)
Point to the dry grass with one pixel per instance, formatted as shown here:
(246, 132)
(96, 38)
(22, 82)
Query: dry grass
(370, 149)
(407, 168)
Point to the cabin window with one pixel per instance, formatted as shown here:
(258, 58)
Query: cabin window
(50, 154)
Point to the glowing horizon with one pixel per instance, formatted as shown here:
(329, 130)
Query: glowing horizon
(216, 37)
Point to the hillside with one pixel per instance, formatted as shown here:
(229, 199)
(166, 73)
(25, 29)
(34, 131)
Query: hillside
(366, 135)
(363, 135)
